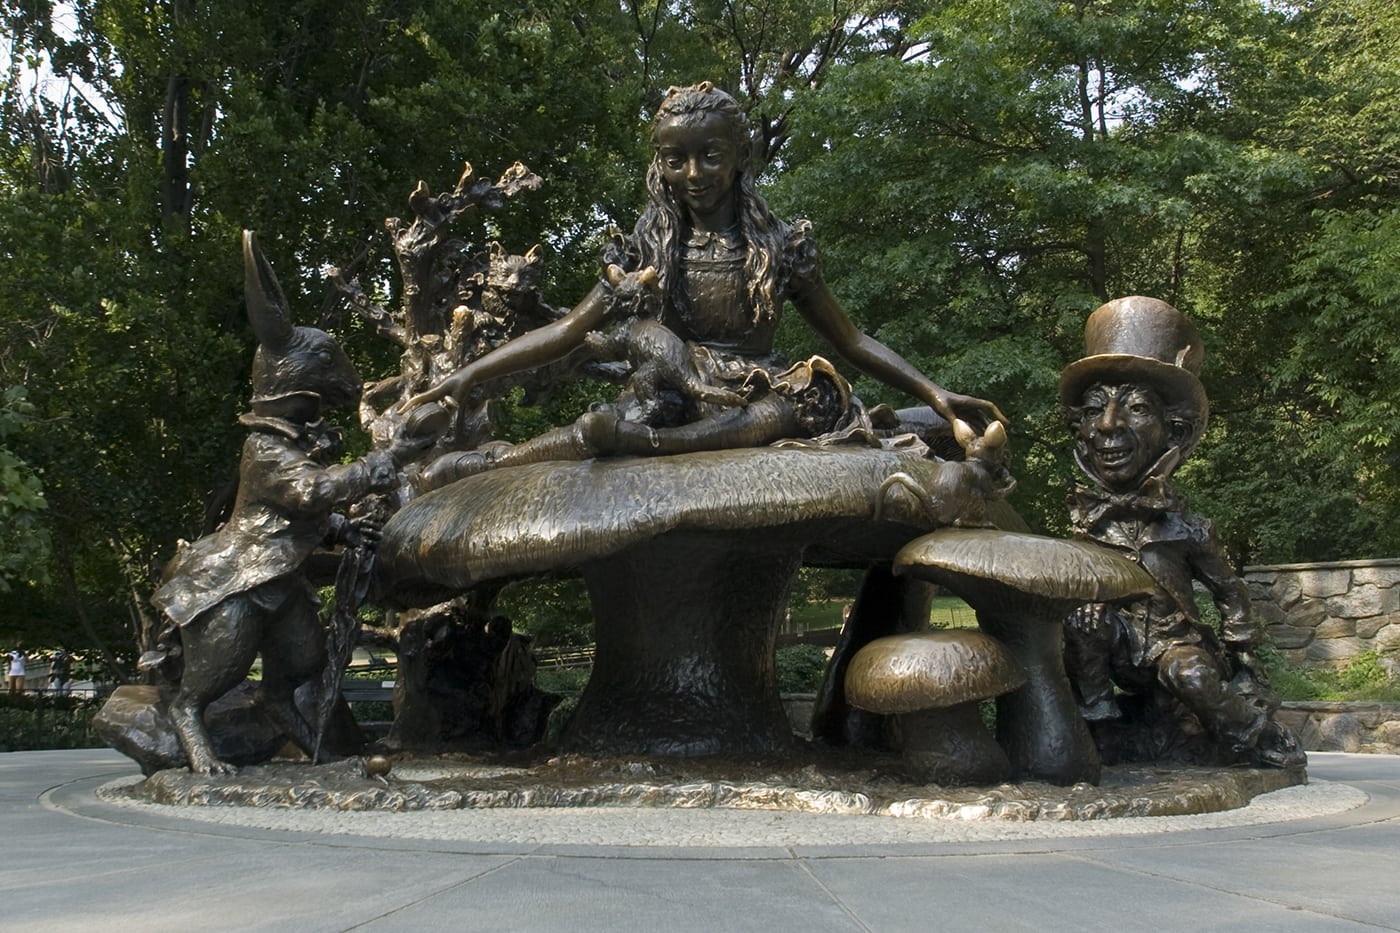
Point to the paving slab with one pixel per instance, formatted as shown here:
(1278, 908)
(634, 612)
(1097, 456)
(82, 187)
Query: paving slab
(571, 894)
(1049, 891)
(1324, 859)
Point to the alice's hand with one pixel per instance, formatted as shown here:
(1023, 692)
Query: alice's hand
(975, 411)
(450, 391)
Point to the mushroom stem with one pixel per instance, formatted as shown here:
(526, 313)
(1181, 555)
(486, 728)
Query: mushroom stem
(886, 605)
(951, 746)
(1039, 724)
(686, 626)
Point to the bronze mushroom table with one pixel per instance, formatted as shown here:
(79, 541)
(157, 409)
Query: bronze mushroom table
(1022, 587)
(688, 561)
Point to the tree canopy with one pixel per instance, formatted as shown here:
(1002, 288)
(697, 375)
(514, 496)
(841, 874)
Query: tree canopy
(980, 175)
(975, 200)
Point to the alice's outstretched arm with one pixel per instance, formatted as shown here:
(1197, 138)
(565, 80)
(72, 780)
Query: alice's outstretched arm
(820, 308)
(530, 350)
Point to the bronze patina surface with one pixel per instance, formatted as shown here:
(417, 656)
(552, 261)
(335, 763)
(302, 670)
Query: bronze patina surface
(813, 782)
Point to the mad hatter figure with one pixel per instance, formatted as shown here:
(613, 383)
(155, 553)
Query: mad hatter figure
(1137, 409)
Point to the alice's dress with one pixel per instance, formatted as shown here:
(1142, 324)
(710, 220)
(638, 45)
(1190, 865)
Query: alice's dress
(732, 344)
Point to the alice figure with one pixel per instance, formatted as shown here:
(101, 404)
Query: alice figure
(723, 266)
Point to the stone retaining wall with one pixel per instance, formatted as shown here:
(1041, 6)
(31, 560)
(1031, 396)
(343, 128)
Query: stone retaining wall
(1344, 727)
(1323, 615)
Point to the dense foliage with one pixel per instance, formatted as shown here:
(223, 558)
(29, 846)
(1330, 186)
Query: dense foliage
(981, 173)
(976, 199)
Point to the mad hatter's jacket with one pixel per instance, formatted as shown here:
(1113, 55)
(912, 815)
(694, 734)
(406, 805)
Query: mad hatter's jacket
(1177, 547)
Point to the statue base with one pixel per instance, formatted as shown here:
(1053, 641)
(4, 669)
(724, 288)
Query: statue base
(822, 784)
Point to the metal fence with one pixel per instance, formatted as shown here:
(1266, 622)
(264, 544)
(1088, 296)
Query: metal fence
(40, 720)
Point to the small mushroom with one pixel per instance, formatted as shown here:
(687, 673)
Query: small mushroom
(933, 682)
(1022, 587)
(378, 766)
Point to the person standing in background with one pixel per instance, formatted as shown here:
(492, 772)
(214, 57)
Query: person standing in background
(17, 671)
(61, 673)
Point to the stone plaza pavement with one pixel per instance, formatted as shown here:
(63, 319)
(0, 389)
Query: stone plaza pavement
(72, 861)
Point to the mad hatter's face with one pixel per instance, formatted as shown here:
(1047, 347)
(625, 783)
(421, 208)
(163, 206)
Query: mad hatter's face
(1122, 433)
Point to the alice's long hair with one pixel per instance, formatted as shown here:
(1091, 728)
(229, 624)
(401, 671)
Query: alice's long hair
(660, 229)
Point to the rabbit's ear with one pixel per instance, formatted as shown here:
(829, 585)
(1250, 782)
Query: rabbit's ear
(964, 433)
(268, 311)
(995, 435)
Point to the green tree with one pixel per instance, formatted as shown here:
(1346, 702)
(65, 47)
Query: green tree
(23, 540)
(1304, 283)
(166, 127)
(764, 52)
(977, 199)
(980, 173)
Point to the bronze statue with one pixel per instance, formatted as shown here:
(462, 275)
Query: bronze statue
(666, 371)
(724, 267)
(1137, 408)
(457, 303)
(688, 554)
(690, 301)
(241, 591)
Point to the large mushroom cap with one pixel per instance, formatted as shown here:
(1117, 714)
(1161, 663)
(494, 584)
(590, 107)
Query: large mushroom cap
(555, 516)
(930, 670)
(1051, 568)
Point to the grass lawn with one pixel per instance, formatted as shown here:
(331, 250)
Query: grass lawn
(947, 612)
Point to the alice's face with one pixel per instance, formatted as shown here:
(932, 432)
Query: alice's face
(699, 159)
(1123, 431)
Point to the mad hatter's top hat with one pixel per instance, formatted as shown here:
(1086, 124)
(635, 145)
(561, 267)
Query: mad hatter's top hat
(1137, 339)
